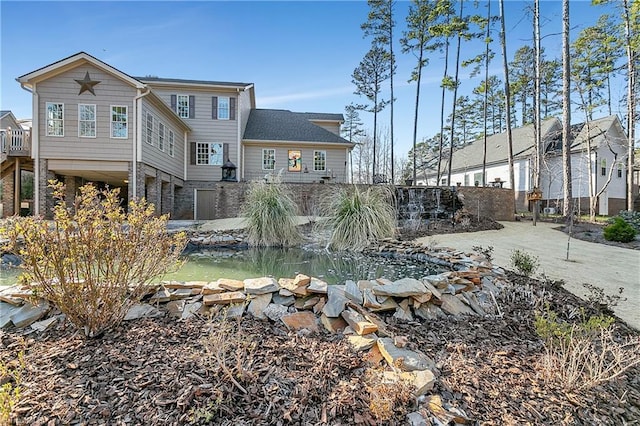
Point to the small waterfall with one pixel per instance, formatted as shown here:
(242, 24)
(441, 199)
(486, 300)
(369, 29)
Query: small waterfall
(417, 206)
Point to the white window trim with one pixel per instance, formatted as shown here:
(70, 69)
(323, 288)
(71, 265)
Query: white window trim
(161, 136)
(47, 118)
(314, 161)
(208, 145)
(95, 121)
(171, 142)
(111, 122)
(178, 105)
(228, 109)
(263, 158)
(149, 135)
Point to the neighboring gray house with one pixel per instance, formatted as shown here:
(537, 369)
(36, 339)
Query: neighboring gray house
(608, 155)
(163, 139)
(15, 145)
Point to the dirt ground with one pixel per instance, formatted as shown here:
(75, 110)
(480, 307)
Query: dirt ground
(164, 372)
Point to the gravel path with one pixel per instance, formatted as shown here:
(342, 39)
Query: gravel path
(601, 265)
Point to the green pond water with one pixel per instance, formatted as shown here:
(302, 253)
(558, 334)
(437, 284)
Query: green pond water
(334, 268)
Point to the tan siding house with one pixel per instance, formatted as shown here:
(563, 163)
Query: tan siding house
(166, 139)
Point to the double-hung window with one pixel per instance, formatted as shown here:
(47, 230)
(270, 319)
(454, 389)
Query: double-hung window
(182, 106)
(319, 161)
(161, 136)
(603, 167)
(209, 154)
(149, 126)
(55, 119)
(119, 122)
(268, 159)
(223, 108)
(171, 142)
(86, 121)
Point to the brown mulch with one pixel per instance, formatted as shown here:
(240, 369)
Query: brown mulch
(157, 371)
(594, 232)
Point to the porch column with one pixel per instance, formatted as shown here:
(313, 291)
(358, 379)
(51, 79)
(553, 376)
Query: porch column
(16, 187)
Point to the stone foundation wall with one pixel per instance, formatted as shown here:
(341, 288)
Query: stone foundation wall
(495, 203)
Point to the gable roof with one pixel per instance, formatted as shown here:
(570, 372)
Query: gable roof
(4, 112)
(523, 139)
(286, 126)
(71, 62)
(179, 81)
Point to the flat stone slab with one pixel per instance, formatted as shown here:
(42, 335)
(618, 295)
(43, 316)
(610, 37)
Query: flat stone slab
(258, 304)
(405, 287)
(213, 288)
(262, 285)
(301, 320)
(283, 300)
(275, 311)
(429, 311)
(352, 292)
(333, 325)
(28, 314)
(44, 324)
(142, 311)
(6, 311)
(336, 301)
(358, 323)
(224, 298)
(362, 343)
(190, 309)
(454, 306)
(421, 380)
(231, 285)
(317, 286)
(402, 358)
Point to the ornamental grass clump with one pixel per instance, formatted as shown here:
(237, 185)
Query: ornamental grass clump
(356, 217)
(94, 260)
(270, 212)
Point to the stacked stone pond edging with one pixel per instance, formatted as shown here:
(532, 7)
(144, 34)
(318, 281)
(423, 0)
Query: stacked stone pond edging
(308, 305)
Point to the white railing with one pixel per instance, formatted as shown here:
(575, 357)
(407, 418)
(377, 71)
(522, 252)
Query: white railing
(14, 140)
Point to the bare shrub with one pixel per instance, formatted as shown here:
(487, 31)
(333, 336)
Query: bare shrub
(228, 351)
(94, 261)
(387, 398)
(585, 354)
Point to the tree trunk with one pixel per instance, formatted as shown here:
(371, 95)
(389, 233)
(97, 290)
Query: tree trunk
(393, 59)
(536, 104)
(631, 102)
(566, 115)
(415, 120)
(455, 98)
(507, 97)
(441, 145)
(486, 92)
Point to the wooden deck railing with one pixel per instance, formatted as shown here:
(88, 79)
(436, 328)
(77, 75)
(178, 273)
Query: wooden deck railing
(15, 142)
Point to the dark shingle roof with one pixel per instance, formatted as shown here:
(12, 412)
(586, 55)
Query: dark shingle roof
(4, 112)
(322, 116)
(284, 125)
(198, 82)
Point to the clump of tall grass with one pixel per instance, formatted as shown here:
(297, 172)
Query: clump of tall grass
(270, 212)
(356, 218)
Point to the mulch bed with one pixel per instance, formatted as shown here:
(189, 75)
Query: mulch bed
(158, 371)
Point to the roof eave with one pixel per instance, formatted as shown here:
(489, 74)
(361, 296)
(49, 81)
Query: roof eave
(286, 142)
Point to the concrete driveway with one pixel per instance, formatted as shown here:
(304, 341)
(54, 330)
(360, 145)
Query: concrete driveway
(604, 266)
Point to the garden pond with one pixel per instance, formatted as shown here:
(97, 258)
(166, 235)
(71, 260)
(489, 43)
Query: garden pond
(332, 267)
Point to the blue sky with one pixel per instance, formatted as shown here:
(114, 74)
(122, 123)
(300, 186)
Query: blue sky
(299, 54)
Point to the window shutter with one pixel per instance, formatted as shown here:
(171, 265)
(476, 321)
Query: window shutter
(192, 106)
(193, 152)
(225, 152)
(174, 103)
(232, 108)
(214, 107)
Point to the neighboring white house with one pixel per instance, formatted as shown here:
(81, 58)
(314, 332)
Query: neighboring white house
(607, 158)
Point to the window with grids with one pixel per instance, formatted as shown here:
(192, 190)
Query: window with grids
(119, 122)
(170, 143)
(182, 105)
(149, 135)
(86, 121)
(161, 136)
(223, 108)
(268, 159)
(619, 170)
(319, 161)
(603, 167)
(209, 154)
(55, 119)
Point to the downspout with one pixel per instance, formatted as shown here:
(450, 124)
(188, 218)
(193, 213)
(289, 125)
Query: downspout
(35, 146)
(137, 145)
(238, 117)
